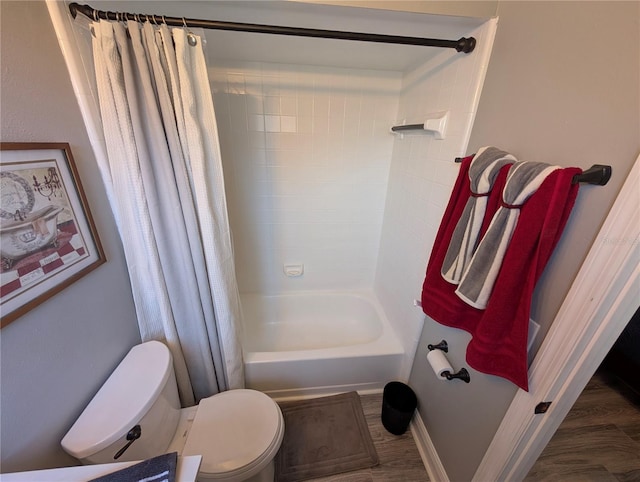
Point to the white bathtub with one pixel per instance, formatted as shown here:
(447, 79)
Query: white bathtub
(310, 343)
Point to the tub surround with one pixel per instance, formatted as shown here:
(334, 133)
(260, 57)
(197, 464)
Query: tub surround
(316, 178)
(421, 176)
(306, 153)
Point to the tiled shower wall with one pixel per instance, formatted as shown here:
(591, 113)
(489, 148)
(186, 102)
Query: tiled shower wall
(306, 153)
(421, 176)
(314, 176)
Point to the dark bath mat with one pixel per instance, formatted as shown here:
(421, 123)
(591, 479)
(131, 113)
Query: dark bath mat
(324, 436)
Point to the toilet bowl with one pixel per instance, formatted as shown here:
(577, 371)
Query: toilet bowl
(237, 432)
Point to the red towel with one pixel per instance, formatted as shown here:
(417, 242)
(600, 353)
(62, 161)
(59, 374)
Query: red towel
(499, 332)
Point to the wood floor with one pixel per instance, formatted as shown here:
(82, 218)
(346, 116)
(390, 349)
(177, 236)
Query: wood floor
(398, 454)
(599, 440)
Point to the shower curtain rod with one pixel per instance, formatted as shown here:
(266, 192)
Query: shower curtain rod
(464, 44)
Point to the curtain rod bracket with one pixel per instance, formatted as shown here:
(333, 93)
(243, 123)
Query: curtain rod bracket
(466, 45)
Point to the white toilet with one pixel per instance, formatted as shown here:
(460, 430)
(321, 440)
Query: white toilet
(237, 432)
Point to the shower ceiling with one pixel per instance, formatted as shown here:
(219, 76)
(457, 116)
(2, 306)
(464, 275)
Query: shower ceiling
(223, 45)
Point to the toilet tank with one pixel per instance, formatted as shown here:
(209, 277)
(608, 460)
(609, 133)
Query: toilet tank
(141, 391)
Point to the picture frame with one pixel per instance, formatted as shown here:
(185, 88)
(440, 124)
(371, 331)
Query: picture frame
(48, 239)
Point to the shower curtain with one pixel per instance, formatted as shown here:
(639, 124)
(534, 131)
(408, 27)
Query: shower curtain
(165, 184)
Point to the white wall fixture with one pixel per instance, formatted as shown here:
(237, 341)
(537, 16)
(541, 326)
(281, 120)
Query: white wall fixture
(293, 270)
(435, 123)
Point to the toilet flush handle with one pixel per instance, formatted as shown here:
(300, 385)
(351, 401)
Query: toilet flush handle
(133, 435)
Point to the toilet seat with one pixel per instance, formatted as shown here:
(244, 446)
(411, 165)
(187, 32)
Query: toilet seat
(237, 432)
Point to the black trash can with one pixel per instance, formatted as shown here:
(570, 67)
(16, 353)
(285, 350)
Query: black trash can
(398, 404)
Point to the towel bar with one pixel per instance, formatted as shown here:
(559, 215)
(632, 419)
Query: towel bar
(598, 174)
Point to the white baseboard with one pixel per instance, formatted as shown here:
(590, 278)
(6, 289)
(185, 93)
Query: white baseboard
(427, 450)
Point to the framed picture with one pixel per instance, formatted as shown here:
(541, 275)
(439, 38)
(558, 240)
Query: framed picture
(48, 238)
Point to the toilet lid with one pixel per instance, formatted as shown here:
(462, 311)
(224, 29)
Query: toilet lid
(234, 431)
(126, 396)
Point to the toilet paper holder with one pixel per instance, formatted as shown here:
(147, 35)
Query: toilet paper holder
(462, 374)
(440, 346)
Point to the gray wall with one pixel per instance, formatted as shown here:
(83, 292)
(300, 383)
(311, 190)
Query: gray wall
(55, 357)
(562, 87)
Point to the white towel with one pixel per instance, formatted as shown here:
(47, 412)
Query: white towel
(478, 280)
(483, 170)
